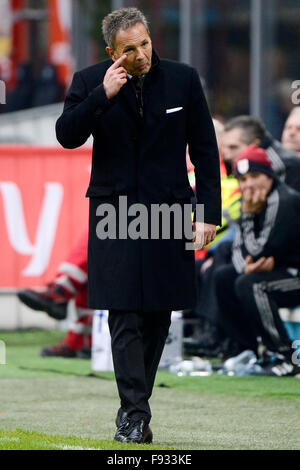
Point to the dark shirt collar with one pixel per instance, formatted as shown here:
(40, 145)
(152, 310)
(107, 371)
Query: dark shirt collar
(138, 80)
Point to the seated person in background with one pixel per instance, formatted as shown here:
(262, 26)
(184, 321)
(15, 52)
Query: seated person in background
(264, 273)
(291, 132)
(70, 283)
(203, 338)
(230, 195)
(242, 131)
(208, 338)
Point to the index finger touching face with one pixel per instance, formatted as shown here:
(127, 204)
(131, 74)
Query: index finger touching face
(119, 61)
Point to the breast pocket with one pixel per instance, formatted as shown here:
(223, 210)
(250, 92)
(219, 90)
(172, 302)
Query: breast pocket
(174, 110)
(175, 121)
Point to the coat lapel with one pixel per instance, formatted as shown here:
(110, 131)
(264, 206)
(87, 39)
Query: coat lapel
(154, 94)
(128, 99)
(154, 122)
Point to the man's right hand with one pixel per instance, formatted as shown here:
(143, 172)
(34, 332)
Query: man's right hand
(115, 78)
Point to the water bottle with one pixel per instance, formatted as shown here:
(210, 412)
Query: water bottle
(202, 368)
(246, 357)
(181, 367)
(195, 367)
(247, 369)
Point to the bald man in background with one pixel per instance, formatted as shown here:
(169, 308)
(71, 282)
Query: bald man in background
(291, 132)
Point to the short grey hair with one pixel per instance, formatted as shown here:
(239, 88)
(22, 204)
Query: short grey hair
(123, 19)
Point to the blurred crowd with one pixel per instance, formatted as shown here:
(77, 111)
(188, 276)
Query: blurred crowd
(252, 268)
(37, 84)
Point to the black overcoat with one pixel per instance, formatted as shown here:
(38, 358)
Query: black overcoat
(143, 158)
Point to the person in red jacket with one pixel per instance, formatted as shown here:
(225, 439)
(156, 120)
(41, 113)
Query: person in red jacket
(70, 283)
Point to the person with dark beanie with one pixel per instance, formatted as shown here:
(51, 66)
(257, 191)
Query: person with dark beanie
(264, 272)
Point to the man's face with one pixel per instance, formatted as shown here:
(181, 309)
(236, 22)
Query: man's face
(255, 181)
(232, 144)
(136, 43)
(291, 133)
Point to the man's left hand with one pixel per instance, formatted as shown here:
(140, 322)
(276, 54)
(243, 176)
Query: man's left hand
(203, 234)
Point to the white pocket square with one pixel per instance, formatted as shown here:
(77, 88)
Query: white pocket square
(174, 110)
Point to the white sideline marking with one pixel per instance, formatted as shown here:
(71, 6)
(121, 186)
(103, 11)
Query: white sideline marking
(9, 438)
(65, 447)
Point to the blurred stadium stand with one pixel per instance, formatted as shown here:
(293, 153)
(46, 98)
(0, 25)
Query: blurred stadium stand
(33, 126)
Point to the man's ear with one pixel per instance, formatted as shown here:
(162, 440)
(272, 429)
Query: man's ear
(111, 53)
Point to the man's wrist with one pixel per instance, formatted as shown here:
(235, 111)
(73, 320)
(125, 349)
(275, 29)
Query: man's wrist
(108, 96)
(100, 100)
(210, 223)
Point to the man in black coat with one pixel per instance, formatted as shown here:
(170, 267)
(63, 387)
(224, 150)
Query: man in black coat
(142, 113)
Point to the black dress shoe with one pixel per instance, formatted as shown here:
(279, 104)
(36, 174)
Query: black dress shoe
(139, 432)
(122, 431)
(126, 427)
(121, 416)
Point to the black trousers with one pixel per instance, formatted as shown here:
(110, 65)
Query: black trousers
(137, 341)
(249, 303)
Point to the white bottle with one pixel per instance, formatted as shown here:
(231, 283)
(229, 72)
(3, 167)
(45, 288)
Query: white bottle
(246, 357)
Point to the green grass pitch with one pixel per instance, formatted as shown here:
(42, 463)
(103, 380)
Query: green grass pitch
(61, 404)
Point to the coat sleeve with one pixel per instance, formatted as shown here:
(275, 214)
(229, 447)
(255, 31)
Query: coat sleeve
(204, 153)
(75, 125)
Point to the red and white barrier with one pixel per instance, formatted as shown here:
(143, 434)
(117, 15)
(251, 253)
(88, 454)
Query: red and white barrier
(43, 210)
